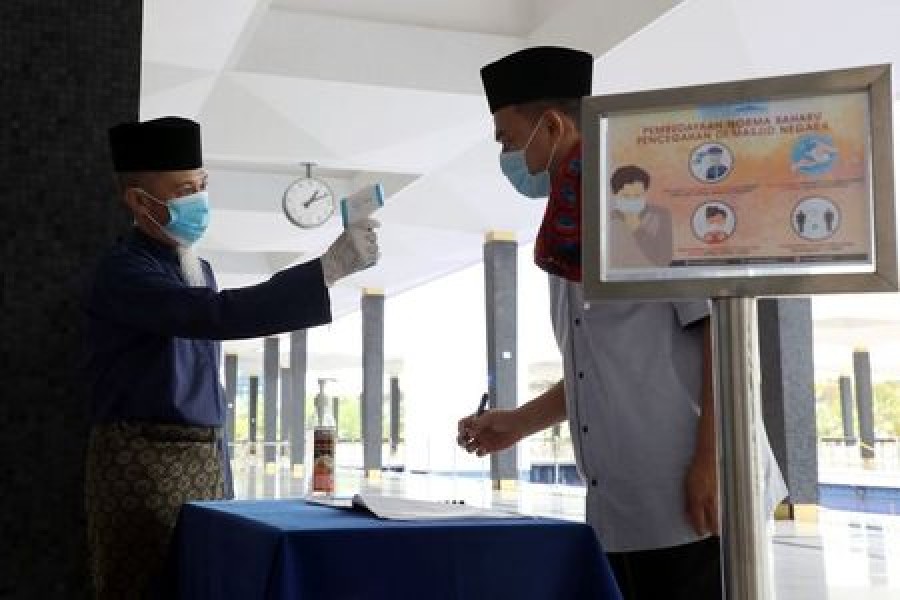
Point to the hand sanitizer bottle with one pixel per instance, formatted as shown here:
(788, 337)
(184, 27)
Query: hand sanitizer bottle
(324, 444)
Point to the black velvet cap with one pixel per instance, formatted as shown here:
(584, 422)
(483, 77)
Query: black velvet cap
(538, 73)
(165, 144)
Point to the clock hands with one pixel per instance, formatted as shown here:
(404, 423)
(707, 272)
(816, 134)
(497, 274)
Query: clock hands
(316, 197)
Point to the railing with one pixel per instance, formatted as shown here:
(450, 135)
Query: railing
(845, 453)
(551, 460)
(542, 460)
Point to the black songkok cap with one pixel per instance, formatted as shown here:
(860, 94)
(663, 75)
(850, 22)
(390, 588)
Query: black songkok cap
(539, 73)
(166, 144)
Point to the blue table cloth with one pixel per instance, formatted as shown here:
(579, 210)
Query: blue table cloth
(289, 549)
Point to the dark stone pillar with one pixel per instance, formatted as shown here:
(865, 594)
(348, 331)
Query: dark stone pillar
(69, 71)
(231, 373)
(788, 394)
(846, 384)
(271, 374)
(862, 373)
(500, 271)
(395, 413)
(373, 380)
(284, 413)
(252, 406)
(297, 405)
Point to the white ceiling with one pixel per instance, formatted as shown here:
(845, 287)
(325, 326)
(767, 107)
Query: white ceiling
(389, 91)
(370, 91)
(499, 17)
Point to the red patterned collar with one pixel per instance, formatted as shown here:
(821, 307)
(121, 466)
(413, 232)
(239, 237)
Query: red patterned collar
(558, 246)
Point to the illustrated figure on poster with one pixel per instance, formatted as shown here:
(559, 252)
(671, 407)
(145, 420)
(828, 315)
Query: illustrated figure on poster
(801, 220)
(713, 222)
(716, 170)
(715, 225)
(816, 218)
(813, 155)
(711, 163)
(640, 232)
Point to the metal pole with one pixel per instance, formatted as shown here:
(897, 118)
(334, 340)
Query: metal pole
(745, 564)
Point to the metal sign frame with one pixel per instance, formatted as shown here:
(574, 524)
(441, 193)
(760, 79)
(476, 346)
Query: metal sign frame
(878, 274)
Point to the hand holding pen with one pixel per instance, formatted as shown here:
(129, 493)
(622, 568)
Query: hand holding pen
(489, 431)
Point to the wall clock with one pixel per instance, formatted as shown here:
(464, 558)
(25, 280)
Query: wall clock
(308, 202)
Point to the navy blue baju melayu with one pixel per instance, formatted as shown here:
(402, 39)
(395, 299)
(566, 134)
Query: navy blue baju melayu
(157, 403)
(154, 350)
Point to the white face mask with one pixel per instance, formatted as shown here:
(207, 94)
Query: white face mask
(630, 206)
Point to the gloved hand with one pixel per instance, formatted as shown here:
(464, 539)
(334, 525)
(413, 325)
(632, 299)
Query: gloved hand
(354, 250)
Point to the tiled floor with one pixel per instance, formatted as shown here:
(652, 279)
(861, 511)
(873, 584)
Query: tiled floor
(845, 556)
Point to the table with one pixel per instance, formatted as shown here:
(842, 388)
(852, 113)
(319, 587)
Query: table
(289, 549)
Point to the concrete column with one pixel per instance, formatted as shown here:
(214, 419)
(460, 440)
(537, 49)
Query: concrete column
(362, 415)
(788, 395)
(296, 408)
(846, 384)
(271, 373)
(231, 372)
(372, 305)
(395, 413)
(252, 406)
(862, 373)
(284, 412)
(500, 271)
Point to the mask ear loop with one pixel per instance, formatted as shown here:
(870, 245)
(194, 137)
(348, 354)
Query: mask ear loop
(533, 133)
(146, 213)
(555, 146)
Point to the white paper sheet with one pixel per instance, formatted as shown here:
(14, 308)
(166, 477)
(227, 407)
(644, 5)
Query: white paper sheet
(405, 509)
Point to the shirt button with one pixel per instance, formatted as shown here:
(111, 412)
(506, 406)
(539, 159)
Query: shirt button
(594, 482)
(584, 428)
(580, 374)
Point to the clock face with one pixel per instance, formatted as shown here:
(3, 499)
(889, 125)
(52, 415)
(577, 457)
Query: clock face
(308, 202)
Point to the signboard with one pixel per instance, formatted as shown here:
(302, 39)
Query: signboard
(765, 187)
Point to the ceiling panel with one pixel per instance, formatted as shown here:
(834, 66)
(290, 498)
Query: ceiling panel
(503, 17)
(338, 49)
(198, 34)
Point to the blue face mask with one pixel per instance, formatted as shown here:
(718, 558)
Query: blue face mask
(188, 217)
(515, 167)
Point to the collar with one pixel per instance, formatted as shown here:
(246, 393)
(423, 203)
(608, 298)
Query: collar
(139, 239)
(569, 167)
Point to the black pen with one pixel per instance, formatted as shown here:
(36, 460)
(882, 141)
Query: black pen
(482, 405)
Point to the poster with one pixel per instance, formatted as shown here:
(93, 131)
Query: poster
(737, 189)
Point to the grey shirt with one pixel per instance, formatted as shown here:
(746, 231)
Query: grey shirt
(633, 381)
(633, 377)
